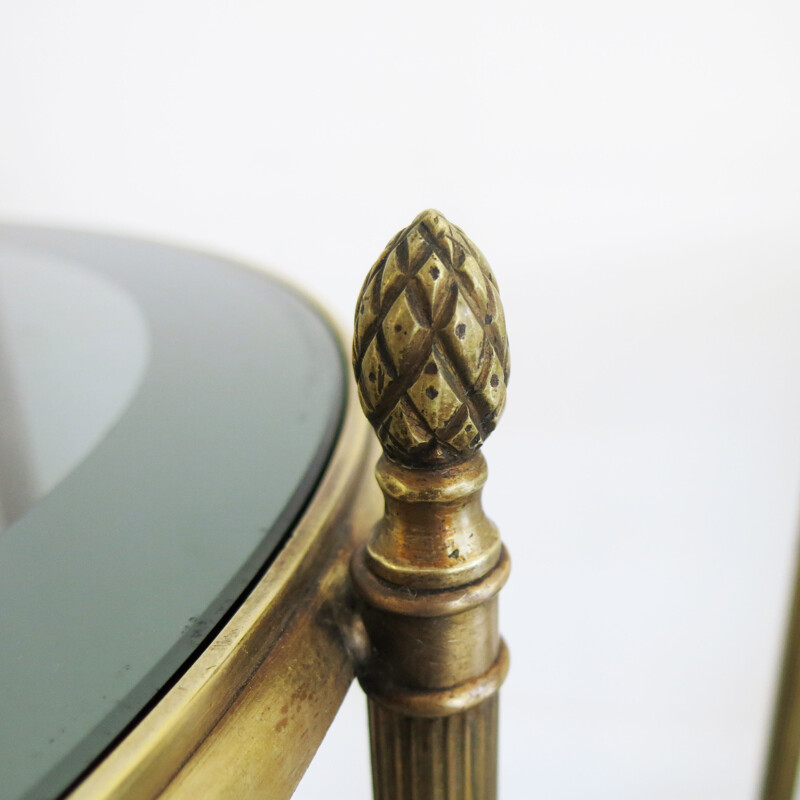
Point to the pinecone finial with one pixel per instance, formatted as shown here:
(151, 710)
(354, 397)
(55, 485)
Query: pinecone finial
(430, 351)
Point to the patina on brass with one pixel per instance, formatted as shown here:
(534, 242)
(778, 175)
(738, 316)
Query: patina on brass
(431, 362)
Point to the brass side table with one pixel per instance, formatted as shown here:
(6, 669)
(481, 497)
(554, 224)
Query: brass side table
(183, 613)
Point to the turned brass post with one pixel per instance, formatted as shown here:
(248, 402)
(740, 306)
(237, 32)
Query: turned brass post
(431, 362)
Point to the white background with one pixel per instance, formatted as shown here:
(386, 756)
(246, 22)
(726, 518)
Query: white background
(632, 172)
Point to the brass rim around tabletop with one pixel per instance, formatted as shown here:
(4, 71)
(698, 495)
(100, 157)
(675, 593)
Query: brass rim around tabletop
(430, 355)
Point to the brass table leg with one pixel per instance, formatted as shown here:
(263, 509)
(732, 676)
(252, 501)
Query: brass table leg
(431, 362)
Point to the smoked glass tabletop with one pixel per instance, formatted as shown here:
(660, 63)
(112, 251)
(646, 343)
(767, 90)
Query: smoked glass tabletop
(164, 419)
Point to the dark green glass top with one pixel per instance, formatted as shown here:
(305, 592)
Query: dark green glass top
(112, 580)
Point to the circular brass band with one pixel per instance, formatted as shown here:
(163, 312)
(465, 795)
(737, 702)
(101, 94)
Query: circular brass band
(441, 702)
(418, 578)
(431, 485)
(384, 596)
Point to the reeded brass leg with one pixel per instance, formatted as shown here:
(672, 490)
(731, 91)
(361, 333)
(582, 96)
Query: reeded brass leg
(443, 757)
(431, 362)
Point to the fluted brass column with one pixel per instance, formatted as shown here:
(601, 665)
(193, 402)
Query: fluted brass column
(431, 363)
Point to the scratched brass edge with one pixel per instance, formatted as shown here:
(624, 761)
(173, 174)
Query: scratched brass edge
(244, 717)
(444, 758)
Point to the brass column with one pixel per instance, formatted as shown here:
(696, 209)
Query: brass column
(431, 363)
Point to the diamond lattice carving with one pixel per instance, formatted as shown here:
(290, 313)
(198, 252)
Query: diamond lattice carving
(430, 350)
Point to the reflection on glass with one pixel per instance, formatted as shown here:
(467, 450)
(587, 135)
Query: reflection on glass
(177, 461)
(73, 348)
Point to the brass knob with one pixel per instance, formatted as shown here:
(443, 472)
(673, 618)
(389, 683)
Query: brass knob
(430, 350)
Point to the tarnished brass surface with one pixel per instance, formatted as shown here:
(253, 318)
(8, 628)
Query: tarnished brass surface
(246, 718)
(431, 362)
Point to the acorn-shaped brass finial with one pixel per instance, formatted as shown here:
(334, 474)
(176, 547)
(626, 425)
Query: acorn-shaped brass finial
(430, 350)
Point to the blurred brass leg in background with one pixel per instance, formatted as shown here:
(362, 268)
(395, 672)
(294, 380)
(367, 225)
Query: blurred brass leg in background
(431, 363)
(784, 748)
